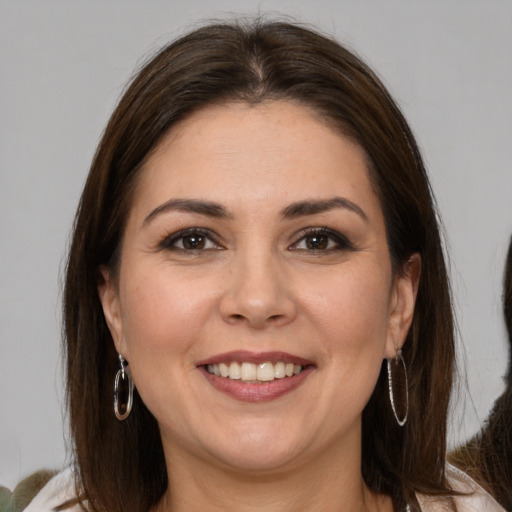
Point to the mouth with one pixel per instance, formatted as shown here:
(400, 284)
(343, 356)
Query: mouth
(254, 377)
(255, 373)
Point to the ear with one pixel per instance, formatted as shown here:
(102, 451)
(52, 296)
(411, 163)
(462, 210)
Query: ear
(401, 305)
(109, 297)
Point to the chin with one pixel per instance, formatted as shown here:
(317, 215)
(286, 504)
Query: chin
(259, 460)
(259, 450)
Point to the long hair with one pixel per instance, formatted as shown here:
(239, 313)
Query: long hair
(120, 466)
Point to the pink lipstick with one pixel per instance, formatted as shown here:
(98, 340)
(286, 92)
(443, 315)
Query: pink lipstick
(255, 377)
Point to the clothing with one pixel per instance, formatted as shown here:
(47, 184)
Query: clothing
(60, 489)
(24, 492)
(478, 501)
(57, 491)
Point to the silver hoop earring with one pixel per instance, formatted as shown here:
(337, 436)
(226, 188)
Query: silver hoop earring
(398, 388)
(123, 391)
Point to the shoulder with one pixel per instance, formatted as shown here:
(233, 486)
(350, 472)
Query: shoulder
(473, 497)
(57, 491)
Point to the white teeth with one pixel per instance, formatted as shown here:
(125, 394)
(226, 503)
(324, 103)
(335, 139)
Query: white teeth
(224, 370)
(279, 372)
(265, 372)
(234, 371)
(250, 372)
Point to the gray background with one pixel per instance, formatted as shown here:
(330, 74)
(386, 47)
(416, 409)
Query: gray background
(63, 65)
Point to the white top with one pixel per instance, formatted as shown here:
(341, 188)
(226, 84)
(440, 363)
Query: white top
(478, 501)
(60, 489)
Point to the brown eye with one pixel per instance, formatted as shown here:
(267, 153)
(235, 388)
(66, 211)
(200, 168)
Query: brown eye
(190, 240)
(194, 242)
(321, 240)
(317, 242)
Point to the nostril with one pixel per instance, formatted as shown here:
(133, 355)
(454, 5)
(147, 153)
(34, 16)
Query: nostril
(254, 319)
(246, 307)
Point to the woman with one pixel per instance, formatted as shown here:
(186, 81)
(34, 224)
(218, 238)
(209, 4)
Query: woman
(257, 249)
(487, 457)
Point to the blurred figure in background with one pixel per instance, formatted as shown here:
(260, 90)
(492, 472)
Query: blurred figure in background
(487, 457)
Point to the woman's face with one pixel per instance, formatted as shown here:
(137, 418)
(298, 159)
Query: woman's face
(255, 301)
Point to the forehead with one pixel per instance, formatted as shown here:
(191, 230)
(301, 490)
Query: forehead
(264, 154)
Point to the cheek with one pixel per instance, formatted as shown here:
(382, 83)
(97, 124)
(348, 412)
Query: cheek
(352, 309)
(162, 313)
(164, 318)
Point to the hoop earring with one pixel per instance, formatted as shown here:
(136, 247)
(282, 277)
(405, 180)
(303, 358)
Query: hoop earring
(398, 388)
(123, 391)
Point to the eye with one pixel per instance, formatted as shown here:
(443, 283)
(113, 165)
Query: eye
(321, 239)
(190, 240)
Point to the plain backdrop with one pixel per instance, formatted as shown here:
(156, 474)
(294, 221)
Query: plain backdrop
(63, 64)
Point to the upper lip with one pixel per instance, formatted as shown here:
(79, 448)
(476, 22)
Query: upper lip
(245, 356)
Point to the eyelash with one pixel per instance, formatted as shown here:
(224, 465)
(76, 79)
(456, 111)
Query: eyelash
(325, 234)
(341, 242)
(170, 242)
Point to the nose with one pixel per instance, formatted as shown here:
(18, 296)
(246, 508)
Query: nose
(258, 293)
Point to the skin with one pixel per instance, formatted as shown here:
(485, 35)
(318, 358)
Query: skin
(259, 283)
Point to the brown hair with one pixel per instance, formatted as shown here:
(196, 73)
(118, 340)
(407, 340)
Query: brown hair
(487, 457)
(507, 310)
(120, 466)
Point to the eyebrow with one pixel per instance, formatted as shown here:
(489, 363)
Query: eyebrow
(207, 208)
(294, 210)
(314, 206)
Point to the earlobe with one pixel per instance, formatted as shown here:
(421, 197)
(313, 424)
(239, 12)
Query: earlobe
(402, 303)
(109, 298)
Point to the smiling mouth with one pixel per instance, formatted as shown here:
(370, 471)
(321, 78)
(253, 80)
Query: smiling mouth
(252, 373)
(256, 376)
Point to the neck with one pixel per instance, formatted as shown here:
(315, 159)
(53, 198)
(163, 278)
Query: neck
(320, 485)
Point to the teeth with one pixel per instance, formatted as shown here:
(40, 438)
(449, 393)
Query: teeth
(234, 371)
(279, 370)
(224, 370)
(265, 372)
(249, 371)
(253, 373)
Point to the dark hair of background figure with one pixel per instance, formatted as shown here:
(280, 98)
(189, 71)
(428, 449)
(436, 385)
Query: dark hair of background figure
(487, 457)
(120, 465)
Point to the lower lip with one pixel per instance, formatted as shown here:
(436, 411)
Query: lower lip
(263, 392)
